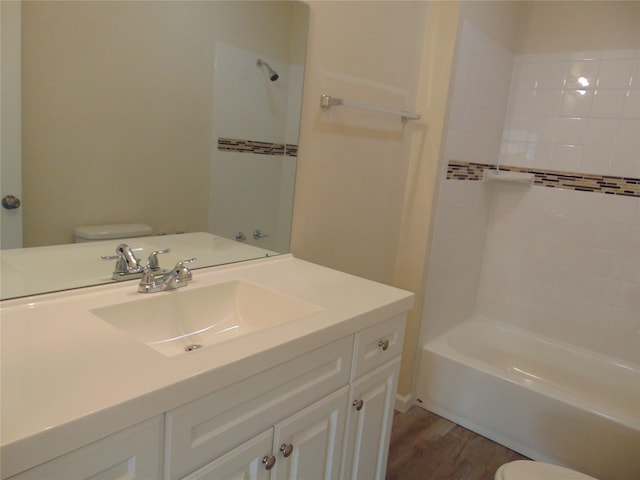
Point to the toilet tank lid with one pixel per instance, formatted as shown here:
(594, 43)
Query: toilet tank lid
(527, 470)
(105, 232)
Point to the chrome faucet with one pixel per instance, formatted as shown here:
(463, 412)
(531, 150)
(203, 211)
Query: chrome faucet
(129, 266)
(177, 277)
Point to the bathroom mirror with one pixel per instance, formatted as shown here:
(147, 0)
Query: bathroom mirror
(181, 115)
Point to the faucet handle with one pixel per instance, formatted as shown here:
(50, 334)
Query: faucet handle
(182, 272)
(152, 261)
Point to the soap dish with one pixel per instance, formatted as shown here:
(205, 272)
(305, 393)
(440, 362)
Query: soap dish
(522, 178)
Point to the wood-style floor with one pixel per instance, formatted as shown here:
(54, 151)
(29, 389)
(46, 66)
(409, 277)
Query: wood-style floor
(425, 446)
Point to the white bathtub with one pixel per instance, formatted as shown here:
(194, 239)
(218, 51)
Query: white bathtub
(547, 400)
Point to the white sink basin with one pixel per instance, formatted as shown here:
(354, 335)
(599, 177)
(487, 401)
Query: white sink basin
(183, 320)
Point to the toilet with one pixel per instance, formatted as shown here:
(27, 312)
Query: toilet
(530, 470)
(93, 233)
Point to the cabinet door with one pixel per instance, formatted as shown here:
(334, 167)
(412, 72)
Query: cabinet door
(244, 462)
(206, 428)
(369, 420)
(132, 453)
(308, 445)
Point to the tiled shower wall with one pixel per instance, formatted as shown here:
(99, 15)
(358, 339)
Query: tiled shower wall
(575, 112)
(561, 262)
(477, 111)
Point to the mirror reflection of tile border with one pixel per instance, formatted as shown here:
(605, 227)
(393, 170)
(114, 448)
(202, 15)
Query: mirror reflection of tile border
(611, 185)
(256, 147)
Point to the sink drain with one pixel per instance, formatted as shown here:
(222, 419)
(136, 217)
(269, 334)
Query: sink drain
(193, 347)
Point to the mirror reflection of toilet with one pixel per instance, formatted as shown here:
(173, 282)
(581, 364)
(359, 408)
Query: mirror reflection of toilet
(530, 470)
(110, 232)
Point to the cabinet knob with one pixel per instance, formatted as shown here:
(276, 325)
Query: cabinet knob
(383, 344)
(286, 449)
(268, 461)
(358, 404)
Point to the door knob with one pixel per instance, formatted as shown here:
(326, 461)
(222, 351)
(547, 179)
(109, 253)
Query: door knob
(10, 202)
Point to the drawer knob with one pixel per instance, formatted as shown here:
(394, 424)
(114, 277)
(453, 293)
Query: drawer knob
(383, 344)
(286, 449)
(269, 461)
(358, 404)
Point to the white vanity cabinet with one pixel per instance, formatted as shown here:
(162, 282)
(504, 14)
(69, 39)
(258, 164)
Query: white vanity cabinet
(349, 388)
(377, 356)
(134, 453)
(323, 415)
(282, 400)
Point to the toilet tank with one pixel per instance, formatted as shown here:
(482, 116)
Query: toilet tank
(92, 233)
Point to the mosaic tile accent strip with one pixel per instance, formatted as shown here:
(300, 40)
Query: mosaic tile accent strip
(291, 150)
(626, 186)
(255, 147)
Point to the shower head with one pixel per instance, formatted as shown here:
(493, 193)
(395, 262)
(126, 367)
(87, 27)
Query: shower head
(273, 76)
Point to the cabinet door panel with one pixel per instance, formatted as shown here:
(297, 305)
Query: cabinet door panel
(314, 437)
(369, 428)
(206, 428)
(134, 453)
(242, 463)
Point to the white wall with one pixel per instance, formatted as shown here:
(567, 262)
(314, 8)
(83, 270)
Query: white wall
(352, 168)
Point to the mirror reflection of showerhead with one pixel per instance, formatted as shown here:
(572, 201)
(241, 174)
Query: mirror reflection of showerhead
(273, 76)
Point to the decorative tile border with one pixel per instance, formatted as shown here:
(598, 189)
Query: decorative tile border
(552, 178)
(255, 147)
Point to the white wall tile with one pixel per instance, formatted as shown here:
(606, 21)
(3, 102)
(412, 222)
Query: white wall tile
(564, 257)
(628, 297)
(566, 158)
(625, 163)
(577, 102)
(582, 74)
(547, 103)
(601, 89)
(615, 73)
(571, 130)
(596, 160)
(632, 104)
(552, 75)
(635, 75)
(608, 103)
(602, 132)
(525, 74)
(543, 130)
(629, 134)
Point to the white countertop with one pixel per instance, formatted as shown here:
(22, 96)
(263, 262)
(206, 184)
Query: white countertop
(69, 378)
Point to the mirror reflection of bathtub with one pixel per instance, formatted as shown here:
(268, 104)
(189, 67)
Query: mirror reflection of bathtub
(31, 271)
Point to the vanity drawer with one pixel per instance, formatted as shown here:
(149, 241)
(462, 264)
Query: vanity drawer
(208, 427)
(377, 344)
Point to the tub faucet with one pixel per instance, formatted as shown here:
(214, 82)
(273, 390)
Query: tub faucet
(177, 277)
